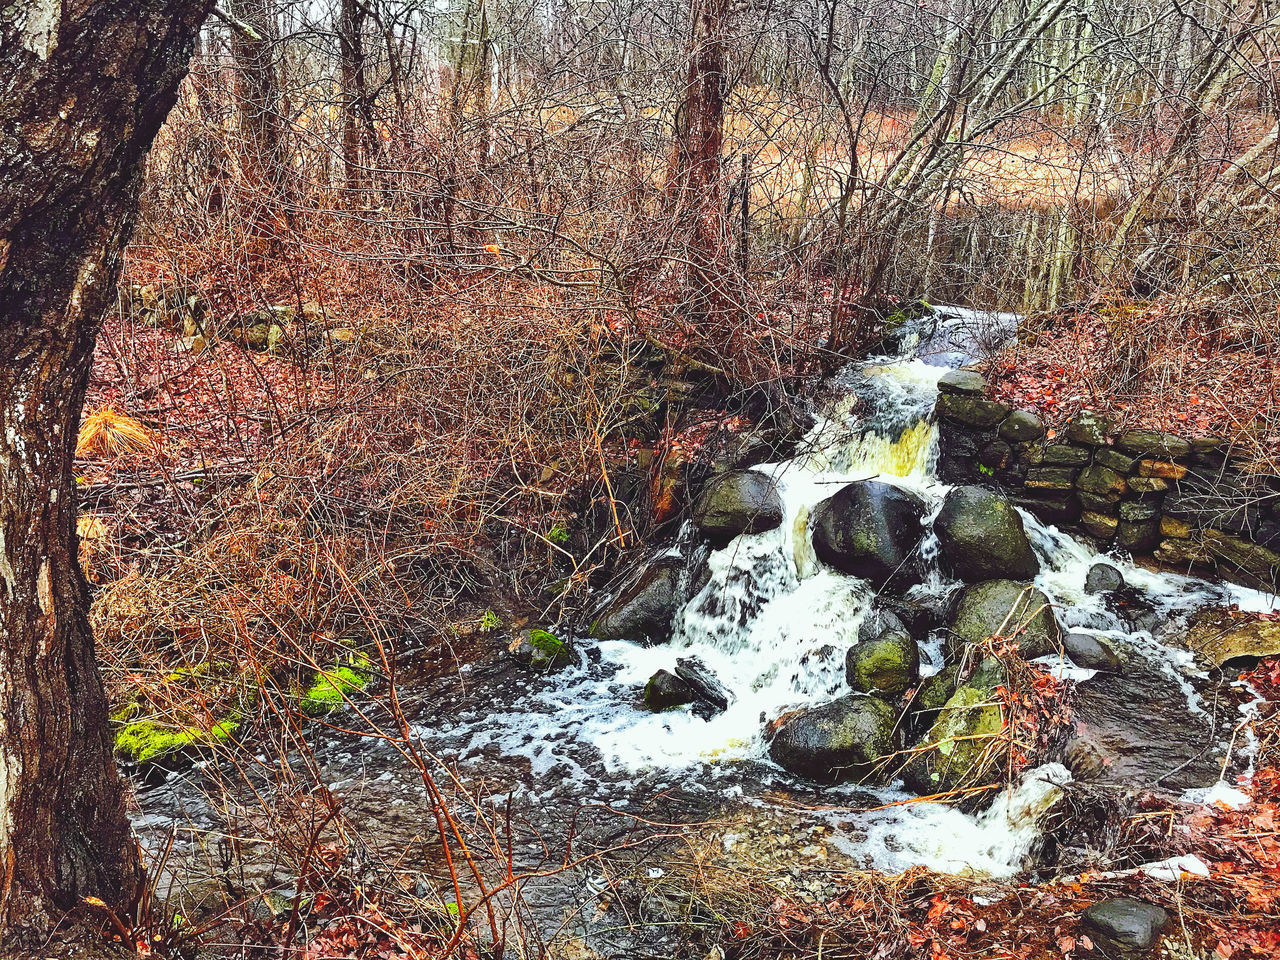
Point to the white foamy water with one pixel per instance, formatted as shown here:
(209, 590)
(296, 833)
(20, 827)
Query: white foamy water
(773, 624)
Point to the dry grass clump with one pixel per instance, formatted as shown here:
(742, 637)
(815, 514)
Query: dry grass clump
(106, 432)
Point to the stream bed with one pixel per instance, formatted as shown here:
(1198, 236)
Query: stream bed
(577, 753)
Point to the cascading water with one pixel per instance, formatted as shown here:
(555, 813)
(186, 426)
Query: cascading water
(773, 624)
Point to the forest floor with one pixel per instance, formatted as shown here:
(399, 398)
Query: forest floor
(257, 516)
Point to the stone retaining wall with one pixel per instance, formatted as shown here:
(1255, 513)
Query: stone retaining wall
(1187, 502)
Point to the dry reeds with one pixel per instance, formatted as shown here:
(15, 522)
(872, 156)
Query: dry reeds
(106, 432)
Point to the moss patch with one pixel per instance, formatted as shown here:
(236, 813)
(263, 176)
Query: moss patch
(332, 687)
(145, 741)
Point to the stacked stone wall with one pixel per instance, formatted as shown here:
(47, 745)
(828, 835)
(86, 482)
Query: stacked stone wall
(1188, 501)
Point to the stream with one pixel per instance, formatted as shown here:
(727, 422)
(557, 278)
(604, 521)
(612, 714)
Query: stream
(773, 623)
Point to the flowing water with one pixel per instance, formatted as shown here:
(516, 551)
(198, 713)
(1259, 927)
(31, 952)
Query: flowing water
(773, 624)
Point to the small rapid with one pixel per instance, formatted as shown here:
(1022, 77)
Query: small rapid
(773, 624)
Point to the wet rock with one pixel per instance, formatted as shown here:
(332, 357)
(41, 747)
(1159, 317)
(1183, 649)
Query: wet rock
(870, 530)
(1010, 608)
(1134, 729)
(1089, 428)
(838, 741)
(1217, 638)
(983, 538)
(707, 690)
(962, 382)
(1056, 506)
(971, 411)
(541, 650)
(1091, 652)
(1100, 525)
(886, 665)
(1138, 510)
(1102, 578)
(1021, 426)
(1138, 536)
(1123, 928)
(1101, 481)
(1114, 460)
(1051, 478)
(1062, 455)
(1147, 443)
(932, 695)
(960, 746)
(643, 611)
(665, 690)
(741, 501)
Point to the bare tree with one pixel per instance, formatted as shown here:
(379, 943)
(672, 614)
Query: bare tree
(87, 87)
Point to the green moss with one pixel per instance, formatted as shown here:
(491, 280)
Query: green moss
(332, 687)
(146, 740)
(558, 534)
(545, 642)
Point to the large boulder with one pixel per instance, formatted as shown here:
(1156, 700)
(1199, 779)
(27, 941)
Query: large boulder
(963, 747)
(841, 740)
(643, 611)
(741, 501)
(1008, 608)
(886, 665)
(871, 530)
(982, 537)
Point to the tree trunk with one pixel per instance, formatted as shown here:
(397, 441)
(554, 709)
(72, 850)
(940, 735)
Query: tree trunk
(86, 88)
(695, 181)
(258, 91)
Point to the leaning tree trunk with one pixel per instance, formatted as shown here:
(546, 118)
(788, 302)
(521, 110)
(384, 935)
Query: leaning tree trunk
(86, 87)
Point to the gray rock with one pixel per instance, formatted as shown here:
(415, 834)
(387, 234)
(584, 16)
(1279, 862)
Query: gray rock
(706, 688)
(1101, 481)
(642, 612)
(1149, 443)
(984, 608)
(932, 695)
(884, 666)
(1091, 652)
(1138, 536)
(838, 741)
(962, 382)
(1115, 460)
(983, 538)
(878, 622)
(1064, 455)
(1102, 578)
(1021, 426)
(1138, 509)
(741, 501)
(1124, 928)
(971, 410)
(870, 530)
(962, 744)
(665, 690)
(1089, 428)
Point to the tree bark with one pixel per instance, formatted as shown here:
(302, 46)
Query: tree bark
(258, 91)
(87, 86)
(696, 180)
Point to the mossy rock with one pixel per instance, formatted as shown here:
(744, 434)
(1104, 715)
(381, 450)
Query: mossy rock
(1003, 606)
(884, 666)
(962, 748)
(331, 688)
(144, 742)
(541, 650)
